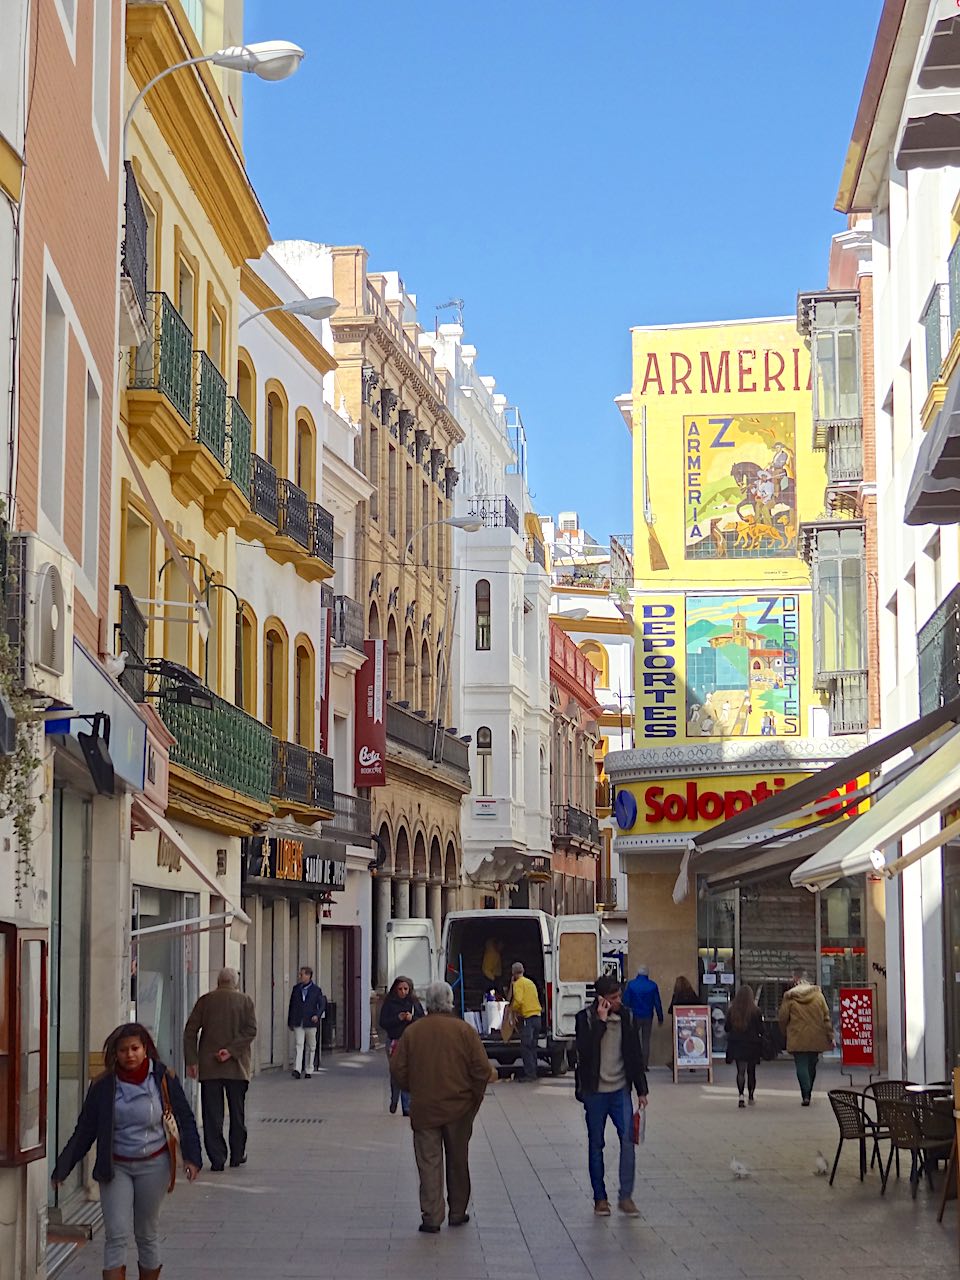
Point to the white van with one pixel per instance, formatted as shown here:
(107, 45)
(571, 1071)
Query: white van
(560, 954)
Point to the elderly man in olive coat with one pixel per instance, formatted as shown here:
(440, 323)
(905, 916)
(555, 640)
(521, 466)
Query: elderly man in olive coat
(216, 1047)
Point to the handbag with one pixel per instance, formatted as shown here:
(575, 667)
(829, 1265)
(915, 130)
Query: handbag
(768, 1050)
(172, 1130)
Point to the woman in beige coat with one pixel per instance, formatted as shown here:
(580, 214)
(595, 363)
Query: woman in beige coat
(805, 1022)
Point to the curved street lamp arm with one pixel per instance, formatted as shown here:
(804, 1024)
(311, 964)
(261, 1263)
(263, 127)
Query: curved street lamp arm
(178, 66)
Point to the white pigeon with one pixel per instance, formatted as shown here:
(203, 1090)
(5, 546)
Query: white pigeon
(115, 667)
(822, 1168)
(739, 1169)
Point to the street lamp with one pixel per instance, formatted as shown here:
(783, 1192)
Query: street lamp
(311, 308)
(268, 59)
(469, 524)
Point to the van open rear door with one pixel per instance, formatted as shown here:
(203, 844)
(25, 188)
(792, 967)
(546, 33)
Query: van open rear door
(412, 952)
(576, 964)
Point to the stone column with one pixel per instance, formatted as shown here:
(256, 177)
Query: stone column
(402, 909)
(435, 906)
(382, 885)
(449, 898)
(418, 898)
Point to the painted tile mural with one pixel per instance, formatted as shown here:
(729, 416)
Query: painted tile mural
(740, 486)
(742, 666)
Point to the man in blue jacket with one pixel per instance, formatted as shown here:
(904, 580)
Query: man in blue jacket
(642, 998)
(307, 1007)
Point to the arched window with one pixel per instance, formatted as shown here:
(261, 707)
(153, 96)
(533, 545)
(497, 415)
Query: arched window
(303, 693)
(305, 473)
(485, 760)
(245, 660)
(597, 656)
(246, 385)
(275, 678)
(483, 613)
(409, 668)
(275, 428)
(426, 671)
(373, 626)
(393, 659)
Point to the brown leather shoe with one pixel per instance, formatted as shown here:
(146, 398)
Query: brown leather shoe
(149, 1275)
(601, 1208)
(115, 1273)
(629, 1208)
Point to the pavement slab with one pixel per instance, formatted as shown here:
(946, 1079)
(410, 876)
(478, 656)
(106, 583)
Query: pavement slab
(337, 1198)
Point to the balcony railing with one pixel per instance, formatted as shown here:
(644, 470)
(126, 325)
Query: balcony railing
(351, 818)
(222, 744)
(321, 533)
(938, 655)
(607, 892)
(131, 639)
(164, 362)
(294, 512)
(496, 513)
(210, 406)
(845, 453)
(264, 497)
(348, 624)
(418, 734)
(570, 823)
(536, 553)
(849, 712)
(240, 466)
(133, 251)
(301, 776)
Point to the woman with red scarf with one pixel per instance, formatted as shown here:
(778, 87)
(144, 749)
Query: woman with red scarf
(127, 1112)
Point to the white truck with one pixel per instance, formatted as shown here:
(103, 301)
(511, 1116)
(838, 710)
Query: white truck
(560, 954)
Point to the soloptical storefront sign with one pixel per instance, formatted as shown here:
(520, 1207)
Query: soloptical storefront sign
(675, 805)
(370, 720)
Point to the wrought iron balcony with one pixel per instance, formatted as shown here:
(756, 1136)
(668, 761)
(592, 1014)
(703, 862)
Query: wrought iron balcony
(222, 744)
(536, 553)
(845, 453)
(321, 533)
(210, 406)
(570, 823)
(301, 776)
(131, 638)
(294, 512)
(352, 816)
(607, 892)
(164, 362)
(418, 734)
(938, 654)
(264, 495)
(239, 457)
(133, 250)
(847, 693)
(348, 626)
(496, 513)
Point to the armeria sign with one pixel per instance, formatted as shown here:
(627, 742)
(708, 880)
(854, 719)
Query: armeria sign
(370, 719)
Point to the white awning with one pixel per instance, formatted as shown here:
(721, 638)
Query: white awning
(238, 917)
(928, 790)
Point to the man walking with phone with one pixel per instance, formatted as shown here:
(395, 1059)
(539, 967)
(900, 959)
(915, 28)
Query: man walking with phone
(610, 1065)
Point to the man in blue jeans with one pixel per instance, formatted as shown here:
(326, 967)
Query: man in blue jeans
(610, 1065)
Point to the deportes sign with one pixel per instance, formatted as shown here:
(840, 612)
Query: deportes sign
(370, 719)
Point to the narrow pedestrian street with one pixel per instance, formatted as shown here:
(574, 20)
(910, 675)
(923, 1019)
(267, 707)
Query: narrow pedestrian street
(331, 1191)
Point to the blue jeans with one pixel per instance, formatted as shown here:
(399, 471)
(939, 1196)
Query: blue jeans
(619, 1108)
(529, 1035)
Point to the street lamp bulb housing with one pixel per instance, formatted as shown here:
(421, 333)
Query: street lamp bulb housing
(268, 59)
(469, 524)
(313, 308)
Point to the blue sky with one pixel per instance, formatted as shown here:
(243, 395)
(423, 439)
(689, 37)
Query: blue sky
(569, 170)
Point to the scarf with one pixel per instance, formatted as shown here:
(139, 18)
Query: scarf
(137, 1076)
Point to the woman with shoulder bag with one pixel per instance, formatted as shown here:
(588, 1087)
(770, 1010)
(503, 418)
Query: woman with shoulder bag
(744, 1028)
(136, 1113)
(400, 1008)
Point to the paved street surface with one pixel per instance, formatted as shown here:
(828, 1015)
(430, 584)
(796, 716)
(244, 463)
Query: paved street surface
(330, 1190)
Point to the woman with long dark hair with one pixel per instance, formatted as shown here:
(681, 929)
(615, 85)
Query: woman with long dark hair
(744, 1027)
(683, 993)
(129, 1112)
(400, 1008)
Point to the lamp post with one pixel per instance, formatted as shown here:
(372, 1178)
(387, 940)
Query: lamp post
(469, 524)
(268, 59)
(311, 308)
(205, 617)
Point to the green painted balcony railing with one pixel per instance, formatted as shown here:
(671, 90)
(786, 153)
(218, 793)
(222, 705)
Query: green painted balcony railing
(224, 745)
(239, 458)
(210, 406)
(164, 362)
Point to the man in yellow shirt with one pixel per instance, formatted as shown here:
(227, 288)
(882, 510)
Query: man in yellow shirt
(525, 1004)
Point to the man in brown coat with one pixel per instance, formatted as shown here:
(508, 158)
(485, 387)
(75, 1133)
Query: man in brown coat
(226, 1024)
(441, 1062)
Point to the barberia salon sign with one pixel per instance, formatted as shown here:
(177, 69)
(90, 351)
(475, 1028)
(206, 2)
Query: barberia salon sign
(289, 860)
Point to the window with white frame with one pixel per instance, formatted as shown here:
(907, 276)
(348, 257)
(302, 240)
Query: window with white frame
(53, 412)
(483, 614)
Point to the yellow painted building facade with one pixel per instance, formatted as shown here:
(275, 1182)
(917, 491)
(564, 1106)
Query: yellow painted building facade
(727, 712)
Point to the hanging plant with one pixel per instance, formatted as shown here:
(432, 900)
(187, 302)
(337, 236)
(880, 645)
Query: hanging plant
(18, 769)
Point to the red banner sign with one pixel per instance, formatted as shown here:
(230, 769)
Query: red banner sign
(370, 720)
(325, 640)
(858, 1044)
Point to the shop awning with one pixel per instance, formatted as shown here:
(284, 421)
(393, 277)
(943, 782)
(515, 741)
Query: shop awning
(926, 791)
(776, 826)
(238, 918)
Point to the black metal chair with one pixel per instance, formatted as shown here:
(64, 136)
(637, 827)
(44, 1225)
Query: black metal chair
(878, 1092)
(855, 1126)
(938, 1132)
(920, 1130)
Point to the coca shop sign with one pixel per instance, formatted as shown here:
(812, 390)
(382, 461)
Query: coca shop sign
(695, 803)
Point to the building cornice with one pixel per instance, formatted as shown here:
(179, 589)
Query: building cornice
(257, 291)
(189, 112)
(730, 757)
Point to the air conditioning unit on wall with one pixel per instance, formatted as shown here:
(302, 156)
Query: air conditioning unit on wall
(39, 608)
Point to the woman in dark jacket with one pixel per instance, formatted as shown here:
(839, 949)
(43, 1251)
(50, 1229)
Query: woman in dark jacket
(744, 1027)
(683, 993)
(123, 1113)
(400, 1008)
